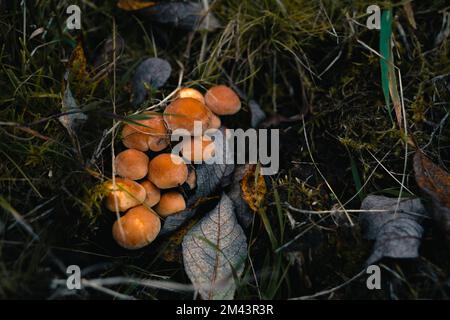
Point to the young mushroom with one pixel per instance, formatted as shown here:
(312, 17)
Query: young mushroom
(132, 164)
(137, 228)
(155, 127)
(133, 139)
(222, 100)
(127, 194)
(171, 202)
(191, 93)
(153, 193)
(167, 171)
(184, 112)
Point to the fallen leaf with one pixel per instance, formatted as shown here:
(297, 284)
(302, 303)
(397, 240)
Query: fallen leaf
(184, 15)
(435, 183)
(214, 252)
(254, 187)
(257, 114)
(77, 71)
(152, 72)
(131, 5)
(396, 228)
(73, 117)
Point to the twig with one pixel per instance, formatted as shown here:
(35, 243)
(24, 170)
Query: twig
(322, 293)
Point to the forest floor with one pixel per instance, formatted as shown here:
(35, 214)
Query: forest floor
(312, 66)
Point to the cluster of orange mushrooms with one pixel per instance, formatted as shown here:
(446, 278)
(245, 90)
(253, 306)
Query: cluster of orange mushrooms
(148, 189)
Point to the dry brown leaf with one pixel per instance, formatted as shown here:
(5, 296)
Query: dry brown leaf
(254, 188)
(435, 182)
(78, 73)
(132, 5)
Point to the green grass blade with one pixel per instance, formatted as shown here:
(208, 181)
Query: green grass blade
(385, 52)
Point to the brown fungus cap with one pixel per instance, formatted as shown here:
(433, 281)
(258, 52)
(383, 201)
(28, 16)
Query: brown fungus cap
(133, 139)
(182, 114)
(222, 100)
(154, 129)
(167, 171)
(127, 193)
(191, 93)
(153, 193)
(171, 202)
(137, 228)
(132, 164)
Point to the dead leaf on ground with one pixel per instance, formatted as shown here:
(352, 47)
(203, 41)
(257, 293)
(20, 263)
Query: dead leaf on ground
(254, 187)
(72, 116)
(397, 230)
(184, 15)
(256, 113)
(214, 252)
(435, 183)
(152, 72)
(77, 71)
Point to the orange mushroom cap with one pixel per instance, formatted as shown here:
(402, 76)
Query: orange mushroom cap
(171, 202)
(153, 193)
(167, 171)
(137, 228)
(131, 164)
(191, 93)
(222, 100)
(133, 139)
(182, 114)
(127, 193)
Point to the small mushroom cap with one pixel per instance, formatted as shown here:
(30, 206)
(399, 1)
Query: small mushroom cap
(132, 164)
(157, 136)
(137, 228)
(171, 202)
(214, 122)
(133, 139)
(184, 112)
(198, 149)
(127, 192)
(222, 100)
(191, 93)
(167, 171)
(153, 193)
